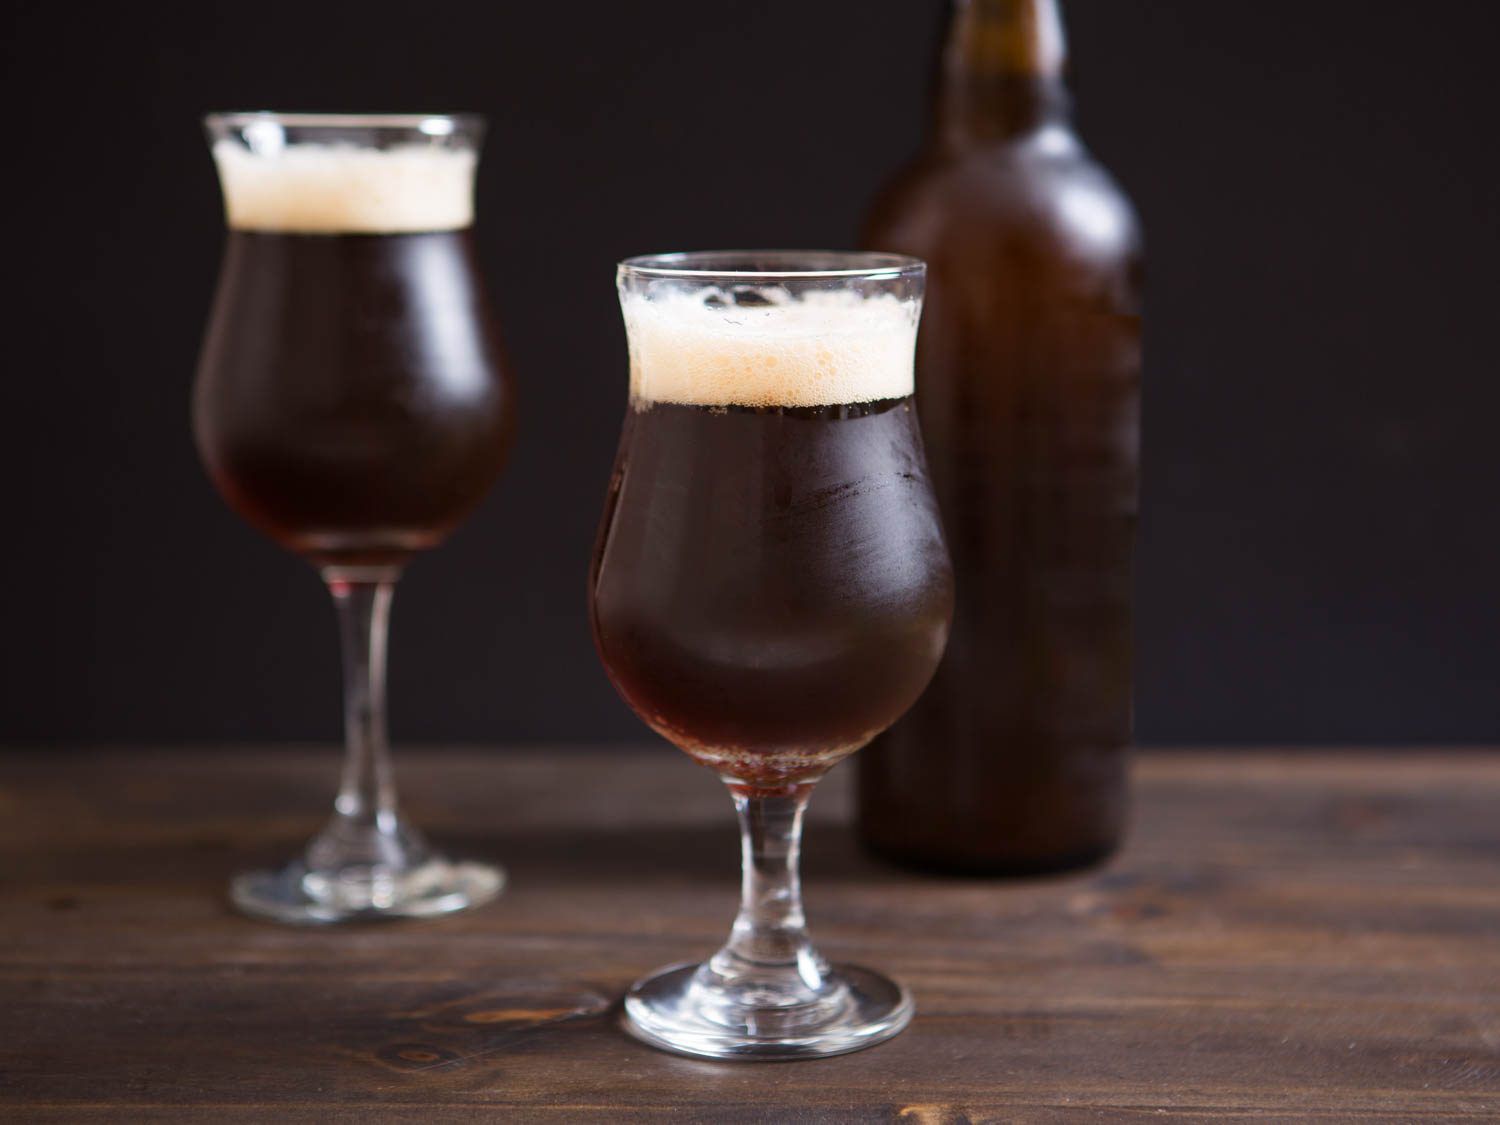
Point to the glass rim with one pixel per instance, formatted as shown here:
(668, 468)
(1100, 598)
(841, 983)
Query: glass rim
(699, 265)
(418, 122)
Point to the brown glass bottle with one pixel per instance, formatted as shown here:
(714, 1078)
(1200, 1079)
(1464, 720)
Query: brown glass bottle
(1028, 381)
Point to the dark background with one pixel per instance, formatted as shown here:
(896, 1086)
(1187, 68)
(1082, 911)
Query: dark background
(1318, 549)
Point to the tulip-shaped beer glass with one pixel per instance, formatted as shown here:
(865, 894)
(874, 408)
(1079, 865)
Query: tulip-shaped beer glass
(770, 590)
(351, 403)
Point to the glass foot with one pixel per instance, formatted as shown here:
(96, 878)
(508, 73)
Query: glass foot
(676, 1010)
(296, 895)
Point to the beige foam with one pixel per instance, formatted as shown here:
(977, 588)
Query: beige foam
(326, 189)
(825, 348)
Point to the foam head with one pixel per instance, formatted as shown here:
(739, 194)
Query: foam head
(764, 346)
(341, 189)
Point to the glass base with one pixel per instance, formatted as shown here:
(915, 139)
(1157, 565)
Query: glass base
(675, 1010)
(296, 895)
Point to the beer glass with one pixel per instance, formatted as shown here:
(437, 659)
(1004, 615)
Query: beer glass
(351, 403)
(770, 590)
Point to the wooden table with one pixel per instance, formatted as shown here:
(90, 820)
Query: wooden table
(1287, 936)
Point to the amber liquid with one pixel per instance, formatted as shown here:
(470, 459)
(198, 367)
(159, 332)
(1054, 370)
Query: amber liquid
(1028, 366)
(770, 587)
(351, 400)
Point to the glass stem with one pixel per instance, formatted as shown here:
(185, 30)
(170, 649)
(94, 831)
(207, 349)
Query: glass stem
(367, 796)
(366, 830)
(769, 949)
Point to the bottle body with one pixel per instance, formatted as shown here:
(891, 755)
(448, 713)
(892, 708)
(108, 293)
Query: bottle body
(1028, 383)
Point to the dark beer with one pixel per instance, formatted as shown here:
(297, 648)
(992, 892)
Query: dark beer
(1028, 383)
(351, 399)
(349, 402)
(770, 588)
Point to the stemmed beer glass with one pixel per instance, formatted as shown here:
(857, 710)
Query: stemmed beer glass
(351, 402)
(770, 590)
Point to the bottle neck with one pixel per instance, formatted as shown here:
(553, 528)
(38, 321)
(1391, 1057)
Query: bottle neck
(1001, 74)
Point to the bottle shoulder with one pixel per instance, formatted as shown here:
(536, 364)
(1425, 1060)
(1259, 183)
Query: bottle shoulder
(1045, 189)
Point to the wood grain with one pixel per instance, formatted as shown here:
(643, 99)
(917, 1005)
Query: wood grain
(1287, 936)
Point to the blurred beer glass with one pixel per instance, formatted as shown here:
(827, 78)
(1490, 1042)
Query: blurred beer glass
(352, 404)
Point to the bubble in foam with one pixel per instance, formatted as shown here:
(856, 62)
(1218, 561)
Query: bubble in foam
(332, 189)
(764, 347)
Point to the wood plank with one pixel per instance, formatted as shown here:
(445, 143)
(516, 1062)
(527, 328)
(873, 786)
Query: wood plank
(1309, 935)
